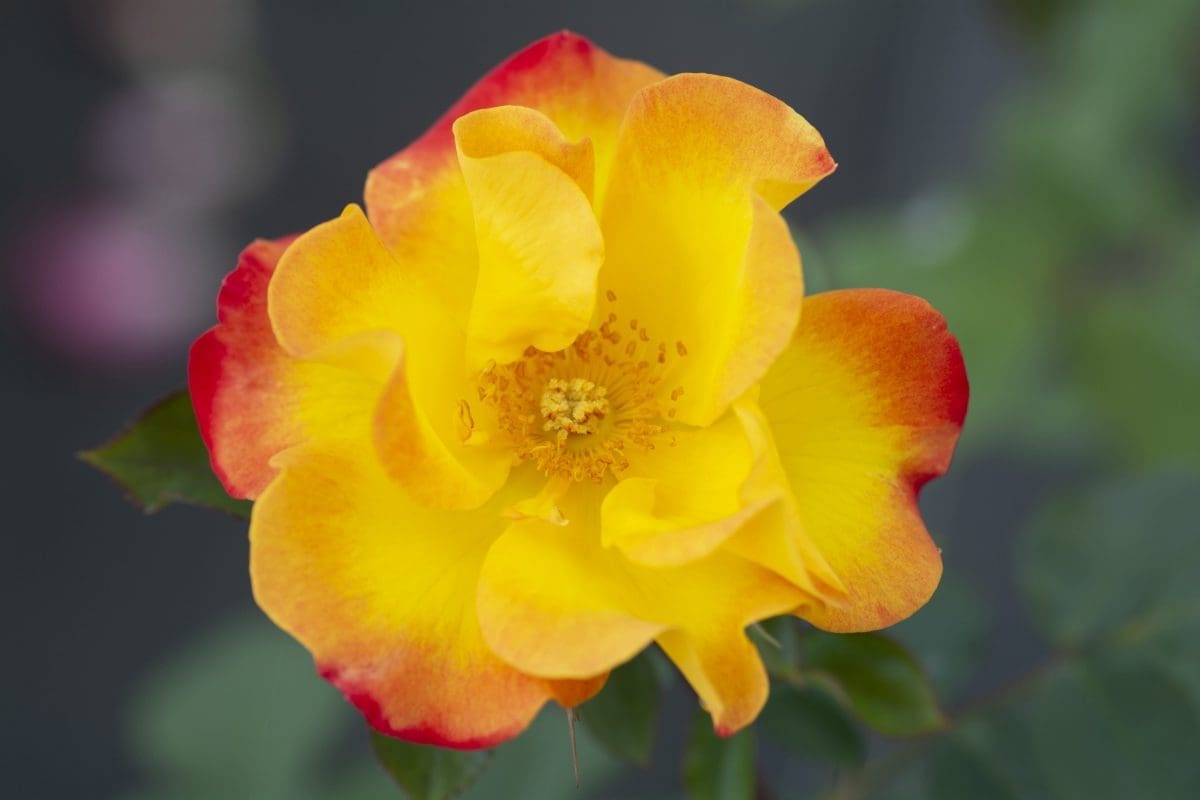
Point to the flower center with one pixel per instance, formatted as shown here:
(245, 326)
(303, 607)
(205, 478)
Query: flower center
(578, 413)
(573, 406)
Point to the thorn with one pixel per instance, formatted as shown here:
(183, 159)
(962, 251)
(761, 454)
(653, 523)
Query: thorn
(574, 752)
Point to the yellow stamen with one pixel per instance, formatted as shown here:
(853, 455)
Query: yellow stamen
(579, 413)
(465, 421)
(574, 406)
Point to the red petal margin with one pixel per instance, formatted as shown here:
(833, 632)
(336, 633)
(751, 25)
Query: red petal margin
(362, 698)
(563, 58)
(866, 407)
(580, 86)
(236, 377)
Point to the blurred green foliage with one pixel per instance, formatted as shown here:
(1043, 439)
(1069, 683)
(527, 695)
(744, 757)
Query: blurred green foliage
(719, 769)
(624, 715)
(1109, 574)
(809, 720)
(241, 713)
(1069, 268)
(433, 773)
(949, 635)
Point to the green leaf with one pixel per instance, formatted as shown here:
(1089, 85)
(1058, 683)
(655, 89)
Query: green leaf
(161, 459)
(429, 773)
(812, 722)
(1118, 563)
(719, 769)
(886, 687)
(622, 716)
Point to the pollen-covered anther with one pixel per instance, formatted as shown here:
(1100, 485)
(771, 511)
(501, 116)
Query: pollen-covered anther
(580, 413)
(573, 406)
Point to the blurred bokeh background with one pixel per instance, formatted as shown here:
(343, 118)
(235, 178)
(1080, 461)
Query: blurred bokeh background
(1030, 166)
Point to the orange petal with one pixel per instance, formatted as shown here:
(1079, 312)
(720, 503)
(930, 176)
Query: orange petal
(725, 670)
(382, 592)
(252, 399)
(501, 130)
(702, 166)
(337, 282)
(417, 199)
(865, 407)
(429, 453)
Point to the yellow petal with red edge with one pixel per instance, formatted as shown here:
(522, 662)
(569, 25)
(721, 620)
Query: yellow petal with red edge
(252, 399)
(337, 282)
(382, 592)
(553, 601)
(417, 199)
(695, 249)
(865, 407)
(539, 242)
(240, 381)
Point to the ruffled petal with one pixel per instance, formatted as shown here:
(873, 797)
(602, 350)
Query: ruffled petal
(539, 242)
(681, 500)
(865, 407)
(338, 282)
(553, 601)
(417, 199)
(382, 592)
(695, 249)
(775, 538)
(252, 399)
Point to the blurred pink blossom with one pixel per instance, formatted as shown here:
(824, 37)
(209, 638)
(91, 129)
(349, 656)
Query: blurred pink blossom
(109, 285)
